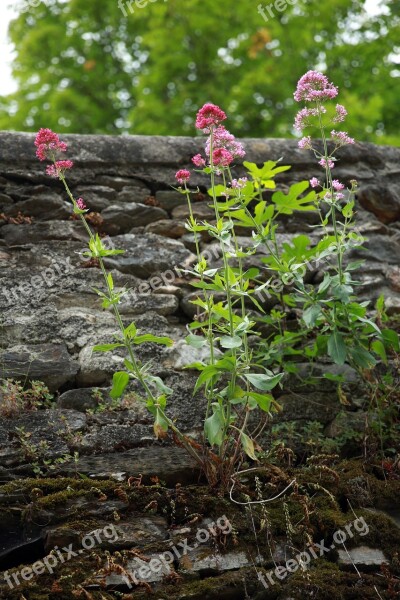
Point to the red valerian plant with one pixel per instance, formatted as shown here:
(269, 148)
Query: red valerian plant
(239, 375)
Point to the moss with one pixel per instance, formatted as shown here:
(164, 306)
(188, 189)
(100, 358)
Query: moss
(311, 512)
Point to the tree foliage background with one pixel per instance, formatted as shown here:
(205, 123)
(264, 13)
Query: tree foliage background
(86, 67)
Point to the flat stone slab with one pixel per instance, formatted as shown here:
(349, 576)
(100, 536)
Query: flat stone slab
(362, 556)
(170, 464)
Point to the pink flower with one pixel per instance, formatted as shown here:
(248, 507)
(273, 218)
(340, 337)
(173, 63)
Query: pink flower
(209, 115)
(47, 142)
(337, 185)
(80, 204)
(339, 196)
(222, 138)
(222, 157)
(341, 138)
(302, 116)
(198, 161)
(182, 176)
(239, 183)
(341, 114)
(314, 182)
(323, 163)
(305, 143)
(314, 86)
(59, 167)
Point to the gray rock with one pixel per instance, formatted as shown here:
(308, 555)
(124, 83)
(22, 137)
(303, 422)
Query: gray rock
(362, 557)
(37, 232)
(149, 254)
(202, 210)
(180, 355)
(114, 438)
(318, 406)
(121, 218)
(167, 227)
(55, 427)
(49, 363)
(133, 193)
(83, 399)
(344, 421)
(170, 464)
(382, 200)
(169, 199)
(46, 207)
(206, 561)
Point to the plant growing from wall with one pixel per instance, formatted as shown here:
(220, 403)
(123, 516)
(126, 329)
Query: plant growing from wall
(238, 377)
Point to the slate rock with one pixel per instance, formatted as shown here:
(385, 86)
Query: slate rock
(363, 557)
(170, 464)
(83, 399)
(319, 406)
(171, 228)
(47, 207)
(121, 218)
(382, 200)
(37, 232)
(169, 199)
(49, 363)
(148, 254)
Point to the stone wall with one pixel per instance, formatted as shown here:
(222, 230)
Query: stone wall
(50, 315)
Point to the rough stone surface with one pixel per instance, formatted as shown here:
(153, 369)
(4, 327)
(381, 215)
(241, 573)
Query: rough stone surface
(361, 556)
(50, 315)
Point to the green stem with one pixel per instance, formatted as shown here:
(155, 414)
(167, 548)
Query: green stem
(210, 333)
(136, 372)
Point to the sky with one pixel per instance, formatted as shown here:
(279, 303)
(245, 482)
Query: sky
(8, 12)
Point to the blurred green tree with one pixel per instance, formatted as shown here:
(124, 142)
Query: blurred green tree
(146, 66)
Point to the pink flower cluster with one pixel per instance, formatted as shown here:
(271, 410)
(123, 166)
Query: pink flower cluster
(305, 143)
(225, 148)
(209, 115)
(314, 86)
(238, 184)
(223, 139)
(303, 115)
(48, 144)
(341, 114)
(341, 138)
(59, 167)
(182, 176)
(80, 204)
(323, 162)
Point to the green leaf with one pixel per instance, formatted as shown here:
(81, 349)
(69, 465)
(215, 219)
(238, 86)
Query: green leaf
(347, 210)
(120, 381)
(391, 339)
(110, 281)
(311, 315)
(130, 331)
(106, 347)
(264, 401)
(248, 445)
(262, 381)
(160, 424)
(362, 357)
(227, 341)
(379, 348)
(218, 190)
(148, 337)
(196, 341)
(214, 426)
(207, 374)
(324, 285)
(160, 385)
(337, 348)
(336, 378)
